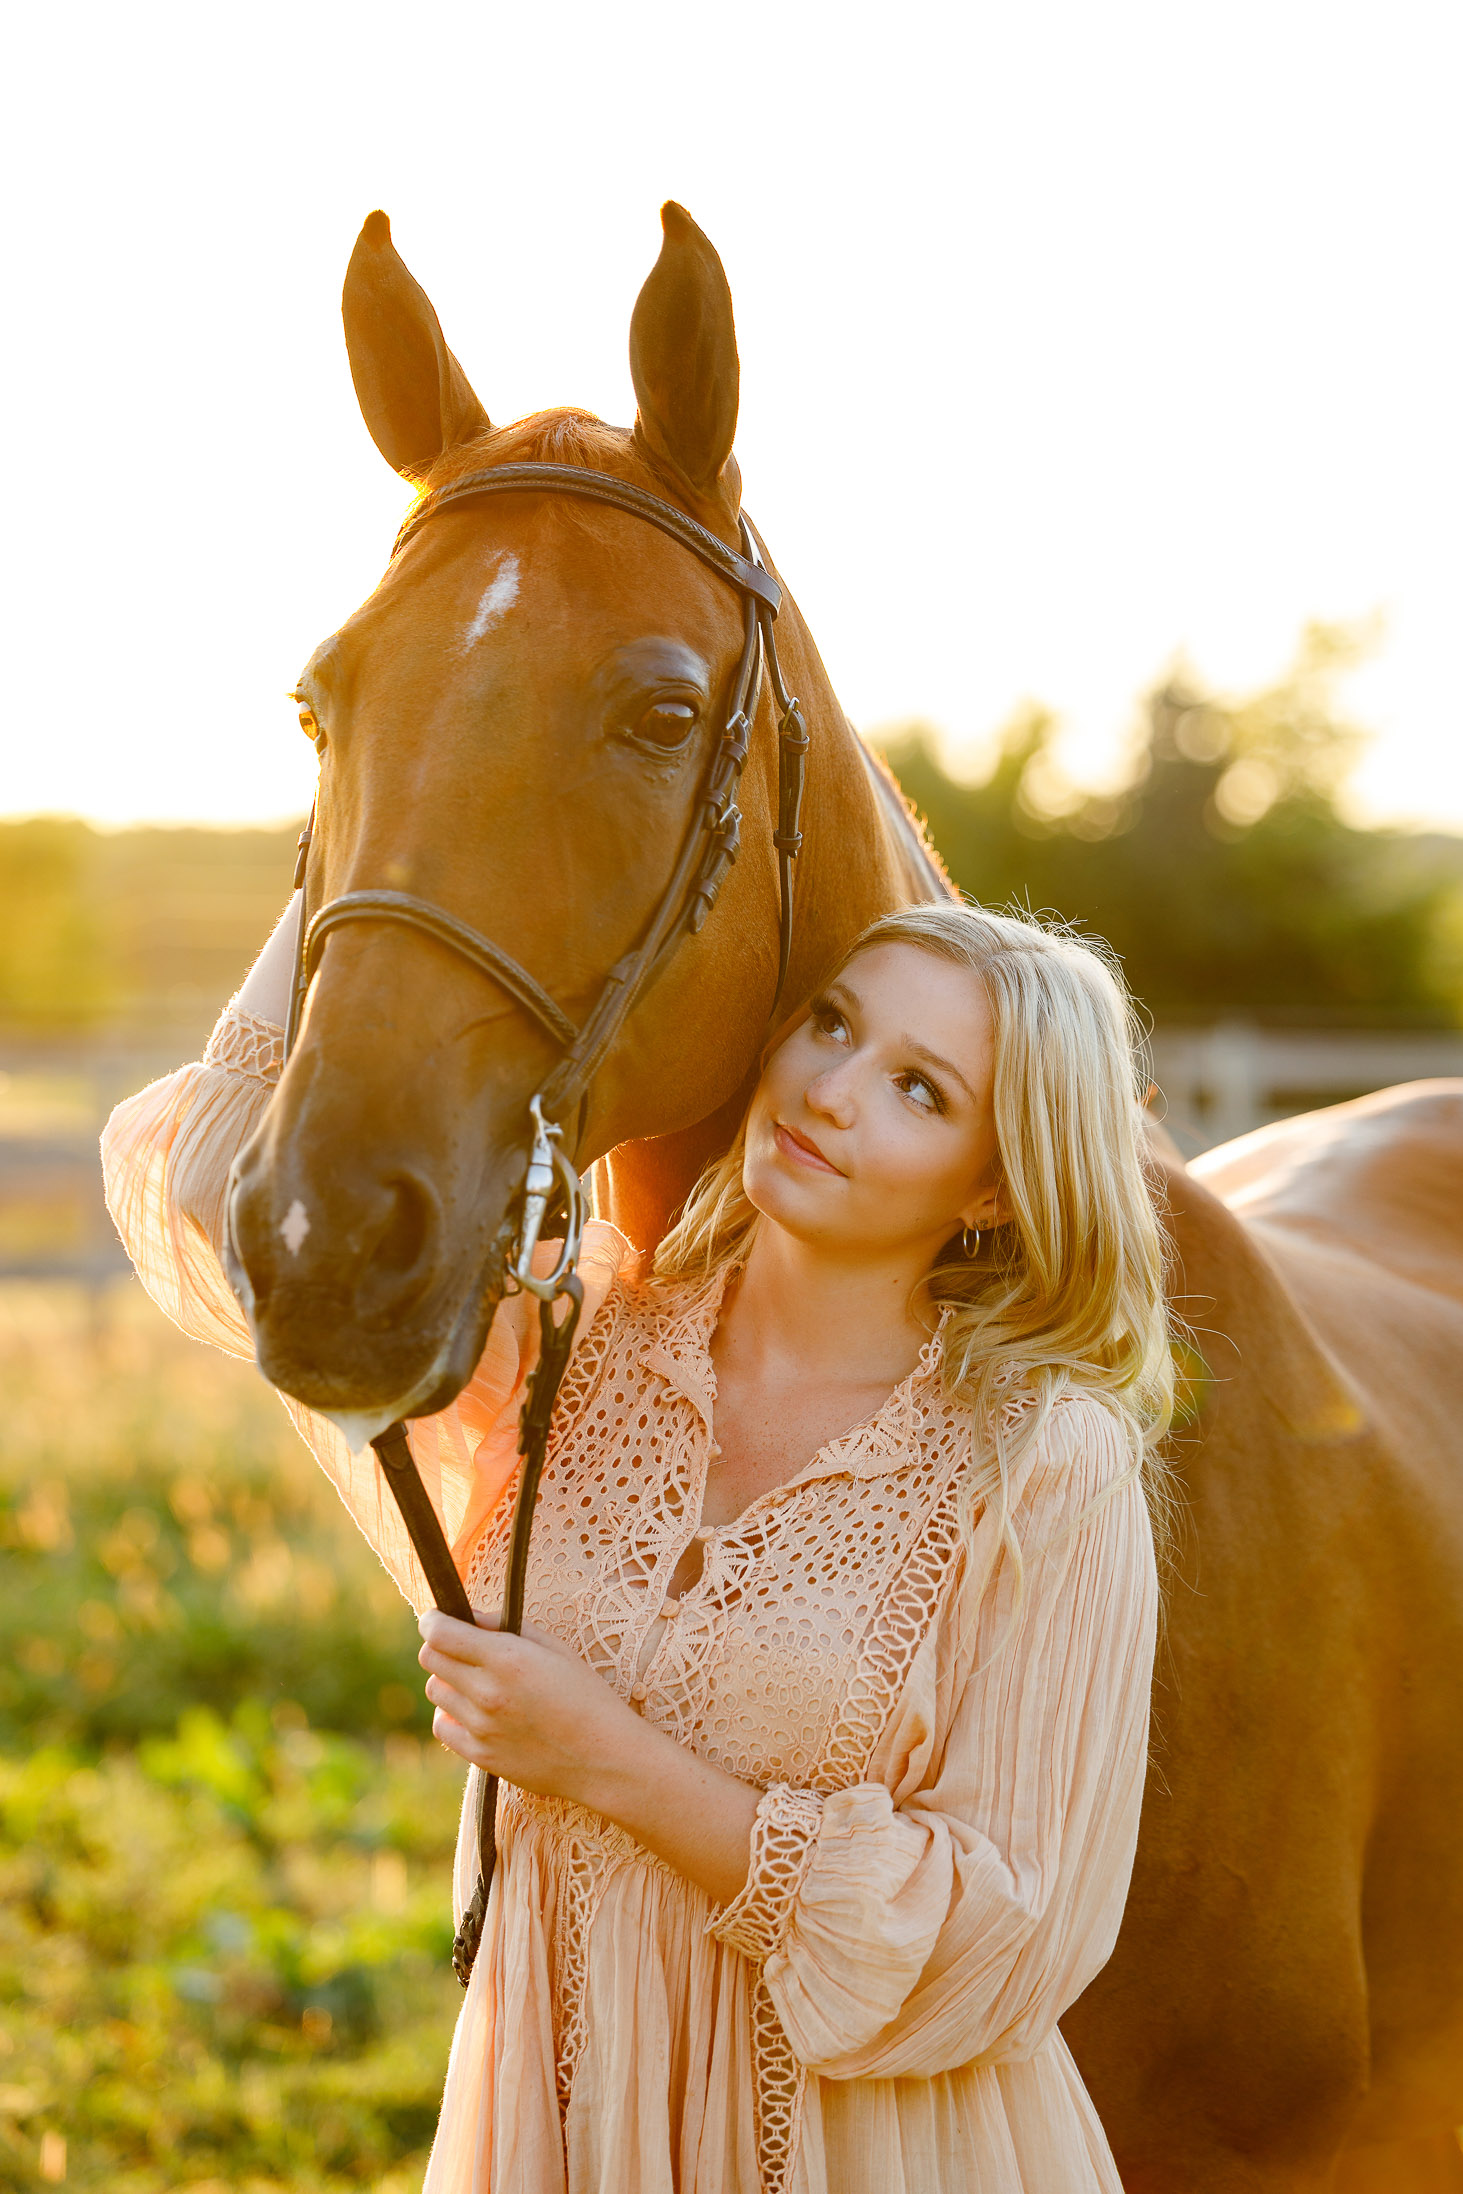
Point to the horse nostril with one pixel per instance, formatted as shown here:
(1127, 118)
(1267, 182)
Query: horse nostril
(371, 1239)
(410, 1227)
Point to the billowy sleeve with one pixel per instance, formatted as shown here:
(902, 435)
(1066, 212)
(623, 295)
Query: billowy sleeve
(167, 1156)
(948, 1909)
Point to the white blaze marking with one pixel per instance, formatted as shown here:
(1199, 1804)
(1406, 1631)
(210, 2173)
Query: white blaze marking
(294, 1226)
(498, 598)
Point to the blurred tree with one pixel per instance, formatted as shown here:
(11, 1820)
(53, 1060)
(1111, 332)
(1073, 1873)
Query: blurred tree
(55, 969)
(145, 925)
(1220, 869)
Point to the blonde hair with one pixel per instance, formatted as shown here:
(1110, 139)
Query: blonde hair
(1067, 1293)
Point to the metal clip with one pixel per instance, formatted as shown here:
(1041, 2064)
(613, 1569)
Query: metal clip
(548, 1161)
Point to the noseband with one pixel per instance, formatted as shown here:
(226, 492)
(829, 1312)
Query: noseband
(708, 849)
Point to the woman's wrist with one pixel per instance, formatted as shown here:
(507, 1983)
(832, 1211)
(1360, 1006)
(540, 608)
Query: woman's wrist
(633, 1763)
(688, 1811)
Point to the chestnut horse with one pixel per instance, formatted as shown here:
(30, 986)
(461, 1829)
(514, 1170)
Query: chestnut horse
(515, 726)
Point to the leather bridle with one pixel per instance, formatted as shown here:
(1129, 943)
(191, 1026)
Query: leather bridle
(709, 848)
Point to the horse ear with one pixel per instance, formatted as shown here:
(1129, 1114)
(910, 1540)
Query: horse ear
(683, 357)
(414, 396)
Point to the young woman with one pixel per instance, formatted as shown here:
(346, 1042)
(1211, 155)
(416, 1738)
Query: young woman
(823, 1755)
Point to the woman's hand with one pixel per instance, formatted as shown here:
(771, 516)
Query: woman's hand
(530, 1710)
(526, 1708)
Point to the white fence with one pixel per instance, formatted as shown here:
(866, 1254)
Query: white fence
(1220, 1082)
(53, 1100)
(1215, 1083)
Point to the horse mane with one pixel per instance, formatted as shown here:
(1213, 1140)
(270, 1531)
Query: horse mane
(563, 436)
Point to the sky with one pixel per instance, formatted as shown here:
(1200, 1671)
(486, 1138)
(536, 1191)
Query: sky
(1073, 339)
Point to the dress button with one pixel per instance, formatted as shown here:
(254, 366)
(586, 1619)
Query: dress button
(715, 1448)
(705, 1532)
(639, 1692)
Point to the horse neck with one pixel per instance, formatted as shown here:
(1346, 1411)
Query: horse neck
(855, 865)
(864, 854)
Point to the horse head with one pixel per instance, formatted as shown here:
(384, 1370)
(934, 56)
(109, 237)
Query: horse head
(516, 727)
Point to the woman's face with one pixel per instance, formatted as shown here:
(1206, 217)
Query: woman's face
(872, 1129)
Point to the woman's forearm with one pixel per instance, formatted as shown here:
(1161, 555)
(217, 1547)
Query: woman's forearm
(688, 1812)
(266, 989)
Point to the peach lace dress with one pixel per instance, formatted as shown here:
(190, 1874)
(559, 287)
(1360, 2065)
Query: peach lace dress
(952, 1769)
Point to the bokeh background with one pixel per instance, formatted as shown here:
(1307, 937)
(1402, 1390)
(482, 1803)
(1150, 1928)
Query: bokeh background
(1100, 376)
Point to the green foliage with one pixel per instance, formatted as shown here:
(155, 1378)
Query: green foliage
(224, 1838)
(167, 1542)
(1220, 870)
(225, 1954)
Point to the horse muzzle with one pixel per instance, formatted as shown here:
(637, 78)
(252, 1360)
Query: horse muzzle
(367, 1296)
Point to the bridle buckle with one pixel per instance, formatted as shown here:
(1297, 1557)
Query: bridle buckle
(548, 1163)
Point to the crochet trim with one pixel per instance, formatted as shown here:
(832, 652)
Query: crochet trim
(784, 1833)
(241, 1043)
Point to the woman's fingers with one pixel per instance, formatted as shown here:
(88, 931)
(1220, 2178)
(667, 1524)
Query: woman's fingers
(474, 1715)
(528, 1708)
(457, 1739)
(459, 1641)
(456, 1670)
(465, 1640)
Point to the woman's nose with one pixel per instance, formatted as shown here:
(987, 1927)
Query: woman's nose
(831, 1094)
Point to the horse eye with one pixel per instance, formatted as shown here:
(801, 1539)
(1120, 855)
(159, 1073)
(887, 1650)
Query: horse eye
(310, 725)
(667, 724)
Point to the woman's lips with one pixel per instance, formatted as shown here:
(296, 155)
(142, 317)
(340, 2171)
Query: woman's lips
(800, 1151)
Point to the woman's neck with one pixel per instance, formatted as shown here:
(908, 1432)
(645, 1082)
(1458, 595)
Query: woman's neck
(801, 1313)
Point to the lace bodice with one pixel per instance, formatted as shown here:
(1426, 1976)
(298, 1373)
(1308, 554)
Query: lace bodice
(754, 1666)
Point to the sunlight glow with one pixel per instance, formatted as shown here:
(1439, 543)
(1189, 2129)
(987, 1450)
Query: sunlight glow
(1071, 339)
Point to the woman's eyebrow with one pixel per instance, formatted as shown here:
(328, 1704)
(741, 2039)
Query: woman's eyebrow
(842, 991)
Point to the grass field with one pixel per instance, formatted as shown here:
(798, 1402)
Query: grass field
(225, 1832)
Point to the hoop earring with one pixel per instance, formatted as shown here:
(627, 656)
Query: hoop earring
(965, 1241)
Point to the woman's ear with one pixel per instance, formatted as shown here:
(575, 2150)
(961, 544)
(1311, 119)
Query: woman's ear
(989, 1207)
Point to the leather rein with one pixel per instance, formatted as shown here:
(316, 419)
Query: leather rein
(552, 1184)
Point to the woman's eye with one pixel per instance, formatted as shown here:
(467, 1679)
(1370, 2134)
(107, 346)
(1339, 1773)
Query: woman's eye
(668, 724)
(924, 1093)
(827, 1020)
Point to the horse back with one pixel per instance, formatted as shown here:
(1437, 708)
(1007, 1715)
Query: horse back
(1379, 1180)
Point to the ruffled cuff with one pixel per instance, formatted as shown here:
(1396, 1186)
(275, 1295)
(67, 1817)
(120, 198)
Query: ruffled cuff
(243, 1044)
(784, 1834)
(166, 1155)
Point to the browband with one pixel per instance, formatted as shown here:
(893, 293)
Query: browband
(603, 487)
